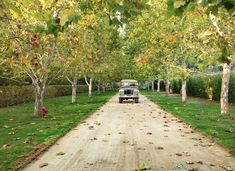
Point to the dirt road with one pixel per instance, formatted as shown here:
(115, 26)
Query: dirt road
(120, 137)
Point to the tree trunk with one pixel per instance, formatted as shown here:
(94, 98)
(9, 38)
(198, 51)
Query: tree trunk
(148, 85)
(158, 85)
(98, 87)
(74, 90)
(90, 87)
(224, 104)
(167, 82)
(184, 90)
(39, 95)
(167, 87)
(152, 85)
(103, 88)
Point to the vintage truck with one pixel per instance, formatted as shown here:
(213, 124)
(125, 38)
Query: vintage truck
(128, 90)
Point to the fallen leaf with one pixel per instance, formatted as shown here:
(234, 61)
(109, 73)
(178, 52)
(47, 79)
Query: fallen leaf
(92, 139)
(90, 164)
(160, 148)
(227, 168)
(199, 162)
(5, 126)
(212, 165)
(125, 141)
(98, 124)
(229, 131)
(108, 134)
(150, 142)
(11, 133)
(43, 165)
(178, 154)
(91, 127)
(143, 166)
(140, 148)
(60, 154)
(190, 163)
(149, 133)
(6, 146)
(105, 140)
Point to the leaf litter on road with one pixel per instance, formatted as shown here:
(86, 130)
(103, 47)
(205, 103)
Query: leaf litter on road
(43, 165)
(143, 166)
(60, 153)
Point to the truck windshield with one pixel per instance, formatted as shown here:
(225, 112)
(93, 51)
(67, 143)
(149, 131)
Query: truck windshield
(129, 84)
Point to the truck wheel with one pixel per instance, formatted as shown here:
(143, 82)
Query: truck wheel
(136, 100)
(120, 100)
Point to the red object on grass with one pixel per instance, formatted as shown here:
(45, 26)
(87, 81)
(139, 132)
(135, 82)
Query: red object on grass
(44, 112)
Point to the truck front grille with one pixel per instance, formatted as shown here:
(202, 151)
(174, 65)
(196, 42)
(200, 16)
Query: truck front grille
(128, 92)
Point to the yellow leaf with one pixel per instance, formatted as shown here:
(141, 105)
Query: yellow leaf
(65, 14)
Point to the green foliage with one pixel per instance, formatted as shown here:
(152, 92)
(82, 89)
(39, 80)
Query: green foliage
(12, 95)
(206, 86)
(216, 86)
(176, 85)
(197, 86)
(163, 86)
(25, 132)
(202, 115)
(178, 7)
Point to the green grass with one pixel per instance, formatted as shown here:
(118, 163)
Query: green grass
(202, 115)
(24, 131)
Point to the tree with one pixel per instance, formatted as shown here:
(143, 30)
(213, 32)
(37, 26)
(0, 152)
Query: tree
(33, 34)
(224, 11)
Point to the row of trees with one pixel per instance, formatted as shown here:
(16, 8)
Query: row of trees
(107, 40)
(182, 37)
(44, 39)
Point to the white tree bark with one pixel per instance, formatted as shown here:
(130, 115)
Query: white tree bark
(74, 90)
(184, 89)
(39, 97)
(184, 82)
(40, 80)
(89, 86)
(167, 83)
(158, 85)
(167, 87)
(224, 103)
(98, 87)
(152, 85)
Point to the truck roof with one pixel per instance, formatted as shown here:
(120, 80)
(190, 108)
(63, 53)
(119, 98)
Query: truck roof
(129, 80)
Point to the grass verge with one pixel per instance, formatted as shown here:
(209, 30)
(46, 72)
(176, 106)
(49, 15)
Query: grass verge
(24, 135)
(202, 115)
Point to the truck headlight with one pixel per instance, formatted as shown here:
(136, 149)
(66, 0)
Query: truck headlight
(121, 92)
(136, 92)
